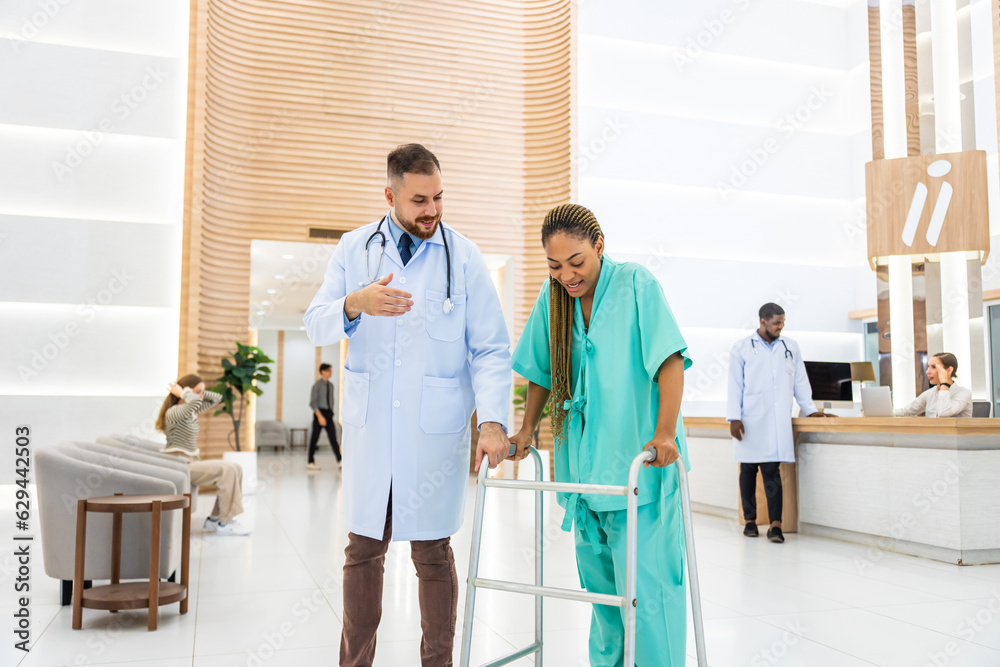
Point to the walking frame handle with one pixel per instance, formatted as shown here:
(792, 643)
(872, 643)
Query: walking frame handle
(628, 601)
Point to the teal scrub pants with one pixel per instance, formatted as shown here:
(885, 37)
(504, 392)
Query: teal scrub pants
(661, 612)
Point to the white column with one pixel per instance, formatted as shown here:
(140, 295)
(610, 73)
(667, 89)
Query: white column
(904, 387)
(948, 139)
(900, 269)
(955, 311)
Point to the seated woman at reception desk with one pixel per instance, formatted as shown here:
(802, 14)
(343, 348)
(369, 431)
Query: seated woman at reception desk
(944, 398)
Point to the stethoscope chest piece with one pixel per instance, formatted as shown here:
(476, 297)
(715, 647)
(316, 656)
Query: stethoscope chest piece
(448, 306)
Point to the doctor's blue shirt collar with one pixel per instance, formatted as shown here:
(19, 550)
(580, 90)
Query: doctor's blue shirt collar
(396, 231)
(756, 335)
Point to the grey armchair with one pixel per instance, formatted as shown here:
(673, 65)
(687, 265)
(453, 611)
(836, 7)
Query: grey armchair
(272, 434)
(67, 472)
(135, 441)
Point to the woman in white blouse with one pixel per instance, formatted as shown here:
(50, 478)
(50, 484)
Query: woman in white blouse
(944, 398)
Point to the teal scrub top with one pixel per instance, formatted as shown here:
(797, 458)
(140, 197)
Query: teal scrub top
(615, 396)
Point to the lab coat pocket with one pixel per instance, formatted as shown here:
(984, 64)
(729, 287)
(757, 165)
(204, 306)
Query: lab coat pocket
(355, 410)
(442, 409)
(446, 327)
(753, 405)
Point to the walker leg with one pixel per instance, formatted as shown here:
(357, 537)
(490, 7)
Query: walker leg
(631, 541)
(692, 563)
(470, 593)
(539, 528)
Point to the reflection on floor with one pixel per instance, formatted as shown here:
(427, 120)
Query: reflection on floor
(275, 598)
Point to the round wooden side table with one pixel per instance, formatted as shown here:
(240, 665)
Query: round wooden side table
(137, 595)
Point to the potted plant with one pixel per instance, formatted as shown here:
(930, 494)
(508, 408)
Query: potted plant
(242, 375)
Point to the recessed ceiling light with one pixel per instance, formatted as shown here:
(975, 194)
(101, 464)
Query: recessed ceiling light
(302, 328)
(265, 303)
(260, 312)
(279, 277)
(288, 257)
(272, 291)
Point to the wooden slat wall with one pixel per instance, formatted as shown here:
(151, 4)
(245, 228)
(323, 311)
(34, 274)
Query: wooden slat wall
(912, 95)
(294, 107)
(875, 81)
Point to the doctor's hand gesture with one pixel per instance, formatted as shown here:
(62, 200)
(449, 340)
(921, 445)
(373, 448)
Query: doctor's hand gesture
(736, 429)
(492, 442)
(378, 299)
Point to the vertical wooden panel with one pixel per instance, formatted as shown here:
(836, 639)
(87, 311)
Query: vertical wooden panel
(911, 95)
(294, 107)
(319, 360)
(280, 371)
(995, 4)
(875, 82)
(920, 286)
(884, 329)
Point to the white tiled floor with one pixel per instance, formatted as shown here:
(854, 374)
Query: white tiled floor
(274, 598)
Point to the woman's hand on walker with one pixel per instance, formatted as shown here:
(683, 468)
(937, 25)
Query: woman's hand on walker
(666, 453)
(523, 441)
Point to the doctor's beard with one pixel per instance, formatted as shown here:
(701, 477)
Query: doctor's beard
(413, 226)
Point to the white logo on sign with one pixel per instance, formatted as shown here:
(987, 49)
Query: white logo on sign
(936, 169)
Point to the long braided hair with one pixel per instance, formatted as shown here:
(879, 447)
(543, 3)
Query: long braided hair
(578, 222)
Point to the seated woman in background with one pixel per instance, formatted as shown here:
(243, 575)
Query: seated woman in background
(944, 398)
(179, 421)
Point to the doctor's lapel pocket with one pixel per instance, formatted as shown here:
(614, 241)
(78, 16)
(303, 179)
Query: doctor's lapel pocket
(442, 409)
(442, 326)
(355, 410)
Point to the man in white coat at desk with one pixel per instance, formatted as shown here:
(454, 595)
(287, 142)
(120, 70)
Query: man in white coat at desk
(765, 372)
(428, 345)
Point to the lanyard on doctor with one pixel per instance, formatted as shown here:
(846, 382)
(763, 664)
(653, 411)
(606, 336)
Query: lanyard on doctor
(788, 353)
(379, 237)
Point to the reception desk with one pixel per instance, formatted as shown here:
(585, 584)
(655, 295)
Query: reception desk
(924, 487)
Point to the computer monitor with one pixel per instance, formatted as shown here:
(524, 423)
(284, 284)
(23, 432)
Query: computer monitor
(831, 384)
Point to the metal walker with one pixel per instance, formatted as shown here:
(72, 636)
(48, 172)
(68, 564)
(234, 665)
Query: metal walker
(539, 591)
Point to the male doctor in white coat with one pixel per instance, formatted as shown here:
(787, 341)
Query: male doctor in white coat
(765, 372)
(428, 345)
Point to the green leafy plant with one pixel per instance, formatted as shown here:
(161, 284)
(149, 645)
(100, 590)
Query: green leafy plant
(241, 376)
(519, 401)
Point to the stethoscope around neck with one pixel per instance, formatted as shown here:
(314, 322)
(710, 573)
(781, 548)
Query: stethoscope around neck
(788, 353)
(448, 305)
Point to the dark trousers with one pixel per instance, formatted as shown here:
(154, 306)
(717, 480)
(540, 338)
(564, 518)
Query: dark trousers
(331, 433)
(437, 593)
(770, 473)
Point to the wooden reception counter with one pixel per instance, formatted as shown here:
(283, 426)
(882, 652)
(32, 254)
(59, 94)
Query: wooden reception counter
(919, 486)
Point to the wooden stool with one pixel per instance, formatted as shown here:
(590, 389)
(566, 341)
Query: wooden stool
(138, 595)
(291, 436)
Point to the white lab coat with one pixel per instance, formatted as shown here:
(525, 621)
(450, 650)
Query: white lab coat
(412, 382)
(761, 387)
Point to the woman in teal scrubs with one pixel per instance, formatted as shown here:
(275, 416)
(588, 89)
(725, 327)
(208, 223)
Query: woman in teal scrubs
(601, 347)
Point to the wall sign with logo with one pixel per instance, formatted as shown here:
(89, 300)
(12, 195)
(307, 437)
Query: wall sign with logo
(926, 205)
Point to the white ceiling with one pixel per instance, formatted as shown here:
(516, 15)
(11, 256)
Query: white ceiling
(284, 278)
